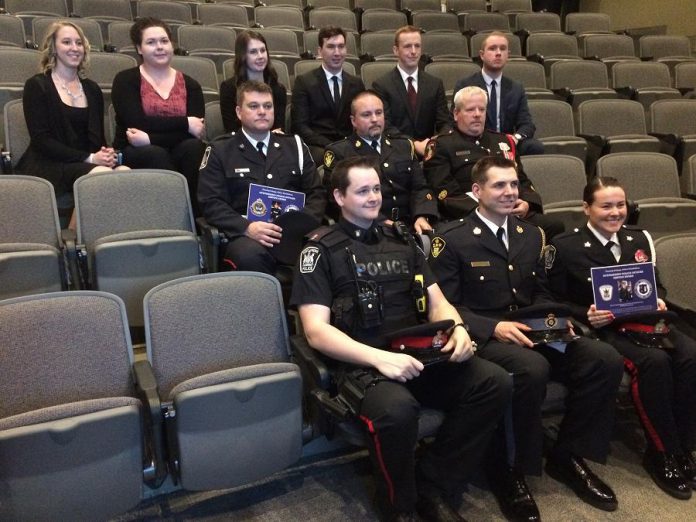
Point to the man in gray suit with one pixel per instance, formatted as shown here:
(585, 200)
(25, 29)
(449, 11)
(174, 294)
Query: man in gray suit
(414, 101)
(507, 108)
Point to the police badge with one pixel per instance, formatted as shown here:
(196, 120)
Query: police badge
(309, 258)
(329, 159)
(606, 291)
(258, 208)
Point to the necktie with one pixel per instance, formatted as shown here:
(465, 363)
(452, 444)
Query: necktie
(412, 95)
(492, 112)
(375, 145)
(336, 90)
(259, 146)
(500, 234)
(609, 246)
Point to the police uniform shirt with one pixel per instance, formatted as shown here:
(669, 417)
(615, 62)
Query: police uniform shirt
(494, 228)
(403, 182)
(614, 239)
(577, 251)
(323, 275)
(255, 143)
(232, 162)
(448, 162)
(478, 275)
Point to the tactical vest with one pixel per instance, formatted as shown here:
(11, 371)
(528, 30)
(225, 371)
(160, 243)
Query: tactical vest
(388, 266)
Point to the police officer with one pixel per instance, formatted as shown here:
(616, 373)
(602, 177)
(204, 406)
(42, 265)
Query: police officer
(664, 380)
(450, 157)
(489, 264)
(355, 281)
(254, 155)
(403, 183)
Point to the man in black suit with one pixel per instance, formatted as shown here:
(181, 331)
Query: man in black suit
(414, 101)
(320, 109)
(507, 111)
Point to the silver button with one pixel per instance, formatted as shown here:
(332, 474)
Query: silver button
(481, 278)
(511, 268)
(241, 175)
(514, 290)
(269, 175)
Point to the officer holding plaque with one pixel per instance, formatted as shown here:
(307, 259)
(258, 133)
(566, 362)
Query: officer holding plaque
(255, 155)
(660, 359)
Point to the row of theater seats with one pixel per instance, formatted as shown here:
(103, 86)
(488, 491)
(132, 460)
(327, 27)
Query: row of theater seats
(86, 427)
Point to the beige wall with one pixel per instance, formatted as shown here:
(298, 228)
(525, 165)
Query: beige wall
(678, 15)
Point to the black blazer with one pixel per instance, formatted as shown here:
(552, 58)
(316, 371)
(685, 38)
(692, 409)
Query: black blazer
(514, 111)
(53, 139)
(431, 117)
(314, 115)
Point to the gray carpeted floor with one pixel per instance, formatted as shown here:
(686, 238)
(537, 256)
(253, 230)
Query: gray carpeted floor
(338, 487)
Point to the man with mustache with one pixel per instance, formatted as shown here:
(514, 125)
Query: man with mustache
(254, 155)
(403, 183)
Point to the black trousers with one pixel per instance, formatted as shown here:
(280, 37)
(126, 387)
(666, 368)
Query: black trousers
(185, 158)
(663, 387)
(591, 370)
(246, 254)
(473, 395)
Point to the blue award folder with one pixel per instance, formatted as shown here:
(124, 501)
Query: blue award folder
(625, 289)
(268, 203)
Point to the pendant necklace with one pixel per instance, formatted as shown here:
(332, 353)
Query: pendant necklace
(64, 86)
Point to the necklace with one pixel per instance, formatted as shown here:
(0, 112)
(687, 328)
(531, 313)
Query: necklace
(73, 96)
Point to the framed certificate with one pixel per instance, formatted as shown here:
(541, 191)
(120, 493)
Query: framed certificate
(625, 289)
(268, 203)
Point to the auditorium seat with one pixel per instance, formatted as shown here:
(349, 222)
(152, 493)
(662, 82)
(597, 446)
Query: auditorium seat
(90, 28)
(12, 32)
(537, 23)
(226, 14)
(217, 347)
(213, 121)
(450, 73)
(445, 46)
(668, 49)
(555, 128)
(379, 19)
(103, 67)
(372, 71)
(559, 180)
(203, 70)
(609, 48)
(581, 24)
(135, 230)
(282, 45)
(674, 253)
(685, 78)
(71, 442)
(436, 21)
(675, 122)
(377, 46)
(32, 253)
(476, 22)
(216, 43)
(27, 10)
(644, 82)
(532, 76)
(341, 17)
(580, 80)
(549, 48)
(174, 13)
(280, 17)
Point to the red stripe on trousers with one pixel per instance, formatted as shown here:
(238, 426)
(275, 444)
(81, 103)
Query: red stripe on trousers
(644, 419)
(378, 450)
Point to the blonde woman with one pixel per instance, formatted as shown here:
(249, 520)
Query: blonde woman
(64, 112)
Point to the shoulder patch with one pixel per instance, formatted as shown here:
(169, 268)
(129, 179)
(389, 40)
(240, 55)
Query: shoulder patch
(329, 158)
(309, 257)
(549, 255)
(429, 150)
(206, 156)
(437, 246)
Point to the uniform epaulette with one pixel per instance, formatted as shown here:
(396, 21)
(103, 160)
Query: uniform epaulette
(330, 237)
(567, 233)
(222, 137)
(443, 228)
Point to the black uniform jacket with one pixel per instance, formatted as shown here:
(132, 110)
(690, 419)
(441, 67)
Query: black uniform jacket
(481, 278)
(449, 159)
(403, 182)
(577, 251)
(231, 163)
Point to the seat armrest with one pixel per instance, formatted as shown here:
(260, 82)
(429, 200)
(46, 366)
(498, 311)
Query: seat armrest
(594, 139)
(72, 268)
(211, 239)
(311, 363)
(148, 392)
(626, 92)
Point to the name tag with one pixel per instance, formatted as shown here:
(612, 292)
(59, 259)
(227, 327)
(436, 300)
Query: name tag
(246, 169)
(462, 153)
(477, 264)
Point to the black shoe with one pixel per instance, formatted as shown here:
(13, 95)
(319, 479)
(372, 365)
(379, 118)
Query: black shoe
(574, 473)
(513, 496)
(687, 467)
(434, 508)
(664, 470)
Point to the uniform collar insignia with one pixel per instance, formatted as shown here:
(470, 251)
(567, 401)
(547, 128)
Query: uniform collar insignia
(477, 231)
(519, 229)
(588, 244)
(629, 238)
